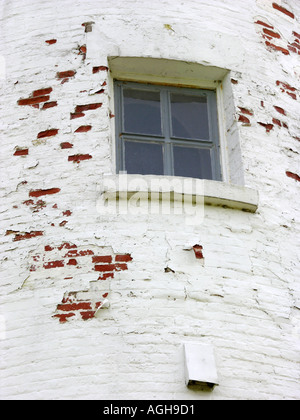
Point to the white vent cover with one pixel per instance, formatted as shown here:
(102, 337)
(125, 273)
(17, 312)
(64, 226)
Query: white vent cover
(200, 365)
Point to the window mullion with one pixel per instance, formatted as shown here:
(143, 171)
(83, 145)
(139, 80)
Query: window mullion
(166, 118)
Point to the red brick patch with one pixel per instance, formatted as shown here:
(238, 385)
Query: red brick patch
(283, 10)
(83, 129)
(21, 152)
(293, 176)
(79, 158)
(47, 133)
(39, 193)
(65, 74)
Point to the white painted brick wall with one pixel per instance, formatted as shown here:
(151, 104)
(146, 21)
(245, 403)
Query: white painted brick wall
(243, 298)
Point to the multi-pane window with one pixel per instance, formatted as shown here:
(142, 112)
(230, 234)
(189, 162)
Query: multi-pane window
(164, 130)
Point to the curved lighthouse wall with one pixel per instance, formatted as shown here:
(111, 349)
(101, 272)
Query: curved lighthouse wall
(98, 304)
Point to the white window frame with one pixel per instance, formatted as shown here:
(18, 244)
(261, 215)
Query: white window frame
(188, 75)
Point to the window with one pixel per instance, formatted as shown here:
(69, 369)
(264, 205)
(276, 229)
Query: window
(164, 130)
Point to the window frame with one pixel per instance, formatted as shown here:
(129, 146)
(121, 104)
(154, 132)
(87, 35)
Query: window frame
(167, 139)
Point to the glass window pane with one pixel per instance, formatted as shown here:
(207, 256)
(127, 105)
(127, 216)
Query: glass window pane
(143, 158)
(192, 162)
(142, 112)
(189, 116)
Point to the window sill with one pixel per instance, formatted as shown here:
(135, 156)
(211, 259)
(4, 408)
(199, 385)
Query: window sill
(198, 191)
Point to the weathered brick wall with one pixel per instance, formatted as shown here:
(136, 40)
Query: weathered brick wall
(98, 306)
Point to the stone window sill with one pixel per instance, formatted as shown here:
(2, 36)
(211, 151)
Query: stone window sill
(150, 187)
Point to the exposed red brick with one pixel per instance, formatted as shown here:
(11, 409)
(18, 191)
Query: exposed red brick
(102, 259)
(123, 258)
(75, 306)
(42, 92)
(40, 204)
(39, 193)
(88, 107)
(244, 119)
(63, 317)
(198, 250)
(48, 248)
(280, 110)
(83, 49)
(51, 41)
(67, 245)
(105, 267)
(111, 267)
(82, 253)
(32, 101)
(28, 235)
(234, 81)
(11, 232)
(105, 276)
(271, 33)
(296, 34)
(78, 158)
(21, 152)
(65, 74)
(286, 86)
(48, 105)
(98, 304)
(54, 264)
(86, 252)
(87, 315)
(83, 129)
(120, 267)
(28, 202)
(268, 127)
(99, 68)
(283, 10)
(76, 115)
(259, 22)
(293, 176)
(72, 253)
(296, 45)
(293, 49)
(277, 122)
(66, 145)
(277, 48)
(292, 95)
(47, 133)
(67, 213)
(246, 111)
(63, 223)
(72, 261)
